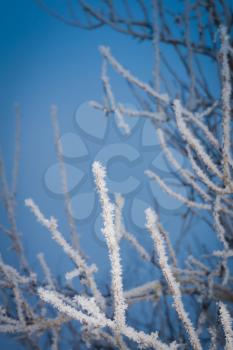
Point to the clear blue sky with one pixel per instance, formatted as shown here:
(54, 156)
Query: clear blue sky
(43, 62)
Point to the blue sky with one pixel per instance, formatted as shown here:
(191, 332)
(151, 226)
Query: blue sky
(44, 62)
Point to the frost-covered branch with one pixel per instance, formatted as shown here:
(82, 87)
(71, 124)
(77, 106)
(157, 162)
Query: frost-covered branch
(112, 242)
(151, 223)
(227, 325)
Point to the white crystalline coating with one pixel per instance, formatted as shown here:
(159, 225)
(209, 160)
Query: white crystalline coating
(105, 51)
(46, 270)
(51, 225)
(152, 226)
(193, 141)
(112, 243)
(206, 184)
(226, 321)
(226, 101)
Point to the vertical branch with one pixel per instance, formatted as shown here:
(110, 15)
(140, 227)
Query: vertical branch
(16, 291)
(119, 227)
(190, 52)
(226, 104)
(121, 230)
(227, 325)
(112, 243)
(156, 39)
(219, 227)
(13, 232)
(152, 226)
(111, 100)
(46, 271)
(213, 338)
(15, 172)
(63, 174)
